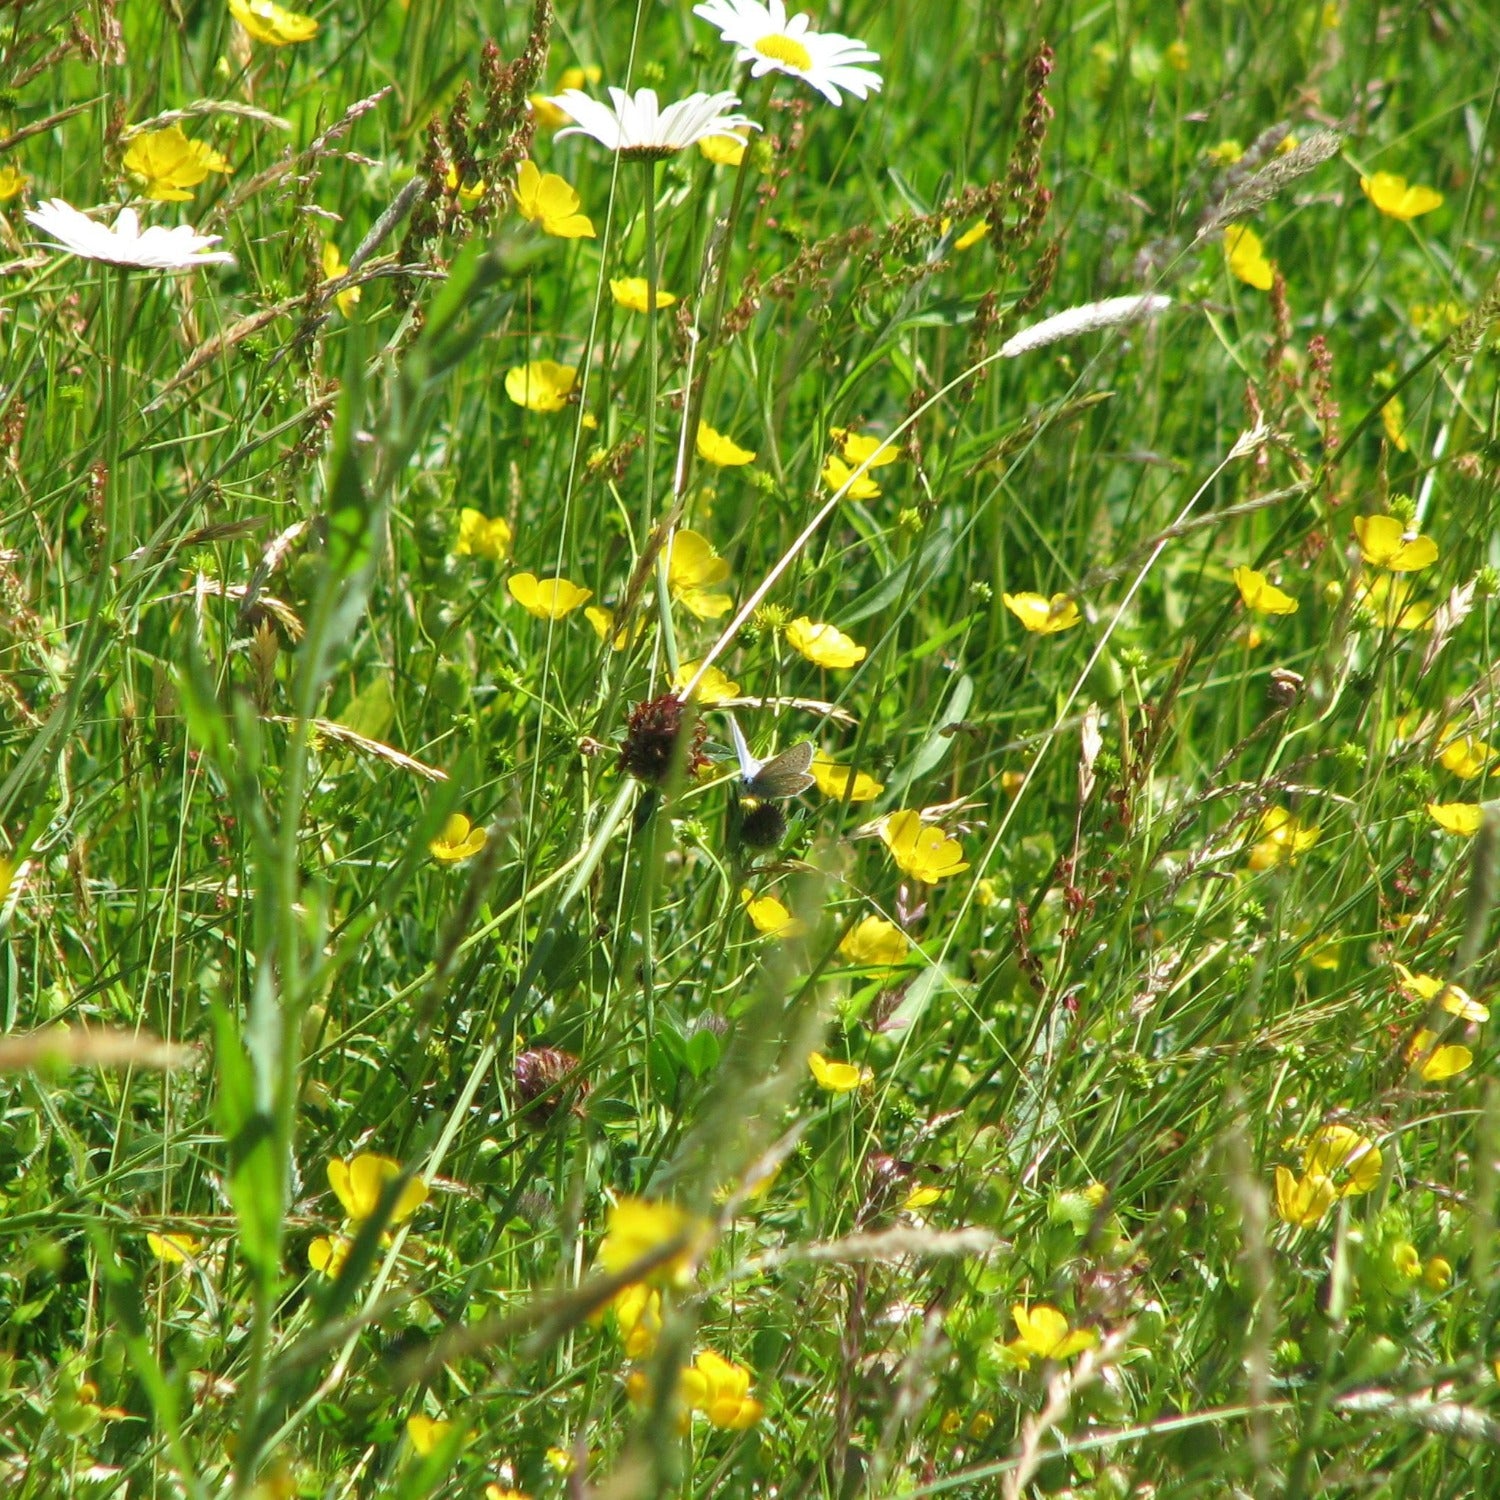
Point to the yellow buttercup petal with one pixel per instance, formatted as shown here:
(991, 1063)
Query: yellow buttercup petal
(1384, 542)
(1462, 818)
(1261, 595)
(546, 598)
(1247, 258)
(925, 853)
(550, 202)
(1041, 615)
(632, 292)
(1394, 196)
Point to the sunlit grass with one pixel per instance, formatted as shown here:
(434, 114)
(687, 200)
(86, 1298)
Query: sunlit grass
(1051, 1055)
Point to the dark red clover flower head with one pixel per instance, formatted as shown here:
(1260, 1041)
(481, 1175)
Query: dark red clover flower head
(651, 735)
(546, 1079)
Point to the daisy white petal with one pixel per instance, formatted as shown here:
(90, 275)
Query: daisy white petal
(636, 125)
(770, 42)
(125, 243)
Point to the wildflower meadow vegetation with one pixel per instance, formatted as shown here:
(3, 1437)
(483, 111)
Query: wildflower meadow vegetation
(749, 753)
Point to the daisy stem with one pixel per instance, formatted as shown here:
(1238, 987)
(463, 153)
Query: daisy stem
(663, 592)
(693, 408)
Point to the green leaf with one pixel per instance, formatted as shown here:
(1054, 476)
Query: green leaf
(254, 1177)
(934, 749)
(701, 1052)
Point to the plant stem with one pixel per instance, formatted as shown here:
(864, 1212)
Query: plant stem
(663, 593)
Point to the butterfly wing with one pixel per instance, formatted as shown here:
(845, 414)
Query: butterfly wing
(784, 775)
(749, 766)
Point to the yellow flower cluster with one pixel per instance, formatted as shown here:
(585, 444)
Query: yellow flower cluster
(1337, 1162)
(359, 1184)
(169, 165)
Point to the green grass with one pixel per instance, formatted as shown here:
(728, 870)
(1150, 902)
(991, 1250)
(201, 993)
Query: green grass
(246, 675)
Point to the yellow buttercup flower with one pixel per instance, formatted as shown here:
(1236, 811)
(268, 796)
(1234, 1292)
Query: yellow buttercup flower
(169, 165)
(1393, 419)
(770, 918)
(458, 840)
(427, 1434)
(1436, 320)
(551, 202)
(1336, 1151)
(723, 150)
(175, 1249)
(551, 116)
(926, 854)
(693, 567)
(1466, 755)
(1280, 838)
(1397, 198)
(327, 1254)
(823, 645)
(1261, 595)
(841, 783)
(603, 621)
(971, 236)
(359, 1182)
(333, 268)
(1385, 542)
(467, 193)
(1225, 154)
(637, 1226)
(637, 1313)
(924, 1196)
(480, 535)
(875, 943)
(1454, 999)
(1247, 257)
(838, 1077)
(267, 22)
(720, 1389)
(546, 598)
(1043, 1333)
(1041, 615)
(12, 181)
(548, 115)
(713, 687)
(631, 292)
(860, 447)
(1436, 1274)
(714, 448)
(541, 385)
(1437, 1063)
(836, 474)
(1388, 600)
(1462, 818)
(1303, 1201)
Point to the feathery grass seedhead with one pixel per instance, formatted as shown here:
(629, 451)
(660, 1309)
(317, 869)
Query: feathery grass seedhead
(1464, 341)
(1246, 197)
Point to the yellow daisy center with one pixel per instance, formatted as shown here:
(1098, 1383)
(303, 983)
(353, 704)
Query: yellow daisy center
(783, 49)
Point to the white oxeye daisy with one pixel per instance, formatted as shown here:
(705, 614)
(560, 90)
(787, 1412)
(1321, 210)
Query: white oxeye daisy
(125, 243)
(823, 60)
(638, 127)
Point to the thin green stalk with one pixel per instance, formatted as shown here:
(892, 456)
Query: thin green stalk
(653, 272)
